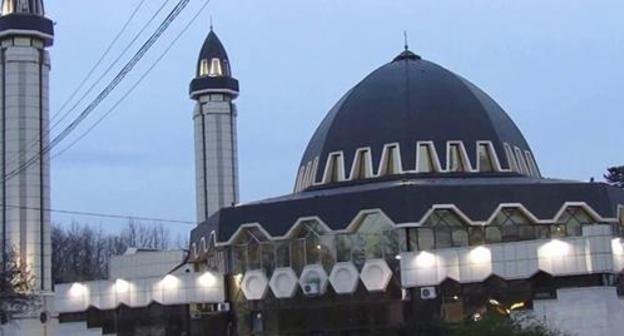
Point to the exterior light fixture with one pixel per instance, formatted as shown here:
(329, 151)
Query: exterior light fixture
(397, 257)
(616, 246)
(121, 286)
(77, 289)
(425, 260)
(555, 248)
(480, 255)
(207, 280)
(169, 282)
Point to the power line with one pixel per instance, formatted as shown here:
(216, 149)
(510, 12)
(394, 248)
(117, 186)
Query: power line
(104, 215)
(47, 132)
(106, 92)
(100, 60)
(136, 84)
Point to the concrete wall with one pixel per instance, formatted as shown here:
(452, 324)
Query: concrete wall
(24, 119)
(592, 311)
(215, 154)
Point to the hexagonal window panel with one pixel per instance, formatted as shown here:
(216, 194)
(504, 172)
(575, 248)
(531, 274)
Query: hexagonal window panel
(313, 280)
(376, 275)
(344, 278)
(255, 285)
(284, 283)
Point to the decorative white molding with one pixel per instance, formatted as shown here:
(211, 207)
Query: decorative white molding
(391, 162)
(363, 158)
(284, 283)
(344, 278)
(498, 167)
(463, 155)
(314, 274)
(352, 225)
(169, 290)
(591, 253)
(376, 275)
(255, 285)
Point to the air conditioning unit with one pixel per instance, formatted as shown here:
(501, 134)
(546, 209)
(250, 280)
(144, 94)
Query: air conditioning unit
(428, 293)
(223, 307)
(312, 289)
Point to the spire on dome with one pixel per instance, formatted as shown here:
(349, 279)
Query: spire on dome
(34, 7)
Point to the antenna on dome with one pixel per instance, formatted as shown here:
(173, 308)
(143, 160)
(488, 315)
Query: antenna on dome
(405, 40)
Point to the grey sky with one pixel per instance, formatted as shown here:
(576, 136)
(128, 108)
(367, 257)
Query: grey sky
(555, 66)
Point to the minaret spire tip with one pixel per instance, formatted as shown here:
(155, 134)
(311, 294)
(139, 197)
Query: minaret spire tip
(211, 24)
(405, 40)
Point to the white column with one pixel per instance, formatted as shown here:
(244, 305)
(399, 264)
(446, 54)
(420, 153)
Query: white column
(24, 109)
(215, 154)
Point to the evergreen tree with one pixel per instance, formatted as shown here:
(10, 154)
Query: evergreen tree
(16, 287)
(615, 176)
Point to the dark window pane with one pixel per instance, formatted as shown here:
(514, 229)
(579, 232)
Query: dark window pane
(557, 231)
(443, 238)
(426, 239)
(460, 237)
(493, 234)
(510, 233)
(526, 232)
(476, 236)
(542, 231)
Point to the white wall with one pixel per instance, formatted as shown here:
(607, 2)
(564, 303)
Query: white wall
(591, 311)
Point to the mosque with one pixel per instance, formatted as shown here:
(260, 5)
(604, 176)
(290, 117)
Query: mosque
(417, 201)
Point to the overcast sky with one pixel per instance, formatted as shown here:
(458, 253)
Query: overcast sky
(555, 66)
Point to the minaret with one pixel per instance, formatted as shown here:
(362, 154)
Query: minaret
(25, 33)
(214, 89)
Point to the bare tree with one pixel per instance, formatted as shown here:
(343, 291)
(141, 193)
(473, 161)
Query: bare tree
(81, 253)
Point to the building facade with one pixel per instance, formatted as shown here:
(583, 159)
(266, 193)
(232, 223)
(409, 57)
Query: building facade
(418, 201)
(25, 33)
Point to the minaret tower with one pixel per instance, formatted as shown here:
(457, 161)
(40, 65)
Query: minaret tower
(214, 89)
(25, 33)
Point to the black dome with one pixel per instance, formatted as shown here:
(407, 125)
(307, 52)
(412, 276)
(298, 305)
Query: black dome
(214, 73)
(407, 101)
(213, 48)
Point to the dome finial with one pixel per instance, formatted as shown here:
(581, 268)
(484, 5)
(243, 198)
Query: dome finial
(211, 25)
(405, 40)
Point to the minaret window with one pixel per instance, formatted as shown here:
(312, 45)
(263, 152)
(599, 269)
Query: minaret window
(204, 69)
(425, 159)
(485, 159)
(215, 68)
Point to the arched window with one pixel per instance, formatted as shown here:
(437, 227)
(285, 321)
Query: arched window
(486, 164)
(425, 159)
(215, 68)
(514, 225)
(391, 163)
(448, 229)
(362, 167)
(309, 245)
(204, 68)
(522, 165)
(375, 237)
(334, 168)
(247, 250)
(456, 162)
(574, 218)
(511, 159)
